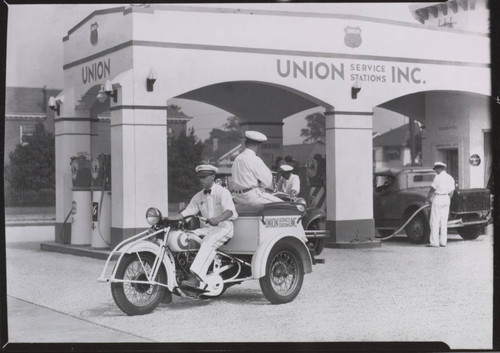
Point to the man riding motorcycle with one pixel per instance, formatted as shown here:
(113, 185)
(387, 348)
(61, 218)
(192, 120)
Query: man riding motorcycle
(216, 205)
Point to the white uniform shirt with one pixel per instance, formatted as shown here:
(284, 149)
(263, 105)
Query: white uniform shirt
(443, 183)
(286, 186)
(211, 205)
(249, 171)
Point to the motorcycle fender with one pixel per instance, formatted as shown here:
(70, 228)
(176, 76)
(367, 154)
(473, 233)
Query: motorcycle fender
(259, 260)
(147, 246)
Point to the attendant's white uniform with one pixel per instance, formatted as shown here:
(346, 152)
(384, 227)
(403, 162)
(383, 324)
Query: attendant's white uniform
(251, 175)
(287, 186)
(210, 205)
(443, 184)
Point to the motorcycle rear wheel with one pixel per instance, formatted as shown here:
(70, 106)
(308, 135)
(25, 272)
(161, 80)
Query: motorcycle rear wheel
(284, 274)
(138, 298)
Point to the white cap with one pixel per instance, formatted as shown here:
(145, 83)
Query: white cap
(439, 164)
(256, 136)
(286, 168)
(206, 169)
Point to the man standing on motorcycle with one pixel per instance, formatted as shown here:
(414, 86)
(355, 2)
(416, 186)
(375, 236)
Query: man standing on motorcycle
(251, 176)
(216, 205)
(288, 183)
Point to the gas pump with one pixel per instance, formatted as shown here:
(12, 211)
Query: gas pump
(82, 195)
(101, 201)
(316, 174)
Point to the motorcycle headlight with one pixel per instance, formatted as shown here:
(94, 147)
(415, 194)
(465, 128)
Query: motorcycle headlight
(153, 216)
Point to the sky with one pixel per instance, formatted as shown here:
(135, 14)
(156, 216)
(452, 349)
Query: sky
(35, 51)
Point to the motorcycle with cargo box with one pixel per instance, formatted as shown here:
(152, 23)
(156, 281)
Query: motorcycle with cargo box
(269, 244)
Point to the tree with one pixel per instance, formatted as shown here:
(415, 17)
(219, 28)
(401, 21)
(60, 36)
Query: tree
(315, 129)
(184, 154)
(222, 140)
(32, 166)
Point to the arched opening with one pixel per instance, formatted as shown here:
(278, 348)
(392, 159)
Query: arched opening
(254, 100)
(257, 105)
(449, 126)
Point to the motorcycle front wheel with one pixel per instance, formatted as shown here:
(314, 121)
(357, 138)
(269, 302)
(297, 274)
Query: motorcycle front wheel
(138, 298)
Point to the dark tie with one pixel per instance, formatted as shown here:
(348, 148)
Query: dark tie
(207, 191)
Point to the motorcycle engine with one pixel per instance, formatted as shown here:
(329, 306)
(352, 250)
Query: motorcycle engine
(183, 261)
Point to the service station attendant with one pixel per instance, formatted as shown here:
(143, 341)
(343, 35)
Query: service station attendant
(440, 195)
(250, 174)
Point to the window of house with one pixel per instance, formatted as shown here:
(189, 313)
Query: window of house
(392, 153)
(25, 132)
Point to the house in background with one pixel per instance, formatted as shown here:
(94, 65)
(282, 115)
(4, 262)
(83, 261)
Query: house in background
(392, 149)
(304, 152)
(176, 121)
(24, 108)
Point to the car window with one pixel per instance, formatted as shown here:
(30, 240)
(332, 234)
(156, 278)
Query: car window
(421, 180)
(382, 182)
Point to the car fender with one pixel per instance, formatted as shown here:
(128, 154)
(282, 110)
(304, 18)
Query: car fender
(259, 260)
(313, 215)
(410, 209)
(148, 246)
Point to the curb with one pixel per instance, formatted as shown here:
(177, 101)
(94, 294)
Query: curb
(30, 222)
(79, 250)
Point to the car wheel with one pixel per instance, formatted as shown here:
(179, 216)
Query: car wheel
(318, 244)
(418, 229)
(470, 233)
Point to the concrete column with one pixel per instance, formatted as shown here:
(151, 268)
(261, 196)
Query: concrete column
(138, 167)
(273, 147)
(349, 165)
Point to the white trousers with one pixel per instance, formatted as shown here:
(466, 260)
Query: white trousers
(439, 220)
(213, 238)
(256, 196)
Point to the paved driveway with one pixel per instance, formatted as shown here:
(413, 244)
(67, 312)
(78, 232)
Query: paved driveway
(398, 292)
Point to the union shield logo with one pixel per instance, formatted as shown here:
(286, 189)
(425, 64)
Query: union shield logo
(93, 33)
(352, 37)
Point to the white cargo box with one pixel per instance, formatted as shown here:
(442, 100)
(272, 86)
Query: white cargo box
(256, 225)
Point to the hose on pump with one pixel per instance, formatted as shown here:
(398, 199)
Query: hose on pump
(406, 223)
(99, 219)
(62, 227)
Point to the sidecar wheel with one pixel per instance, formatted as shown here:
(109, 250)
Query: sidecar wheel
(137, 298)
(284, 274)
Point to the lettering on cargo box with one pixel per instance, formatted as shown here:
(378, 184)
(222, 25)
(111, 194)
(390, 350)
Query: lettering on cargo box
(280, 222)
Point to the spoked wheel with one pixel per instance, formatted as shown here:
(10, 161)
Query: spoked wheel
(284, 274)
(418, 229)
(471, 233)
(138, 298)
(318, 244)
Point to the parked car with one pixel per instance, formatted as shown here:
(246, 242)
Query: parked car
(398, 193)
